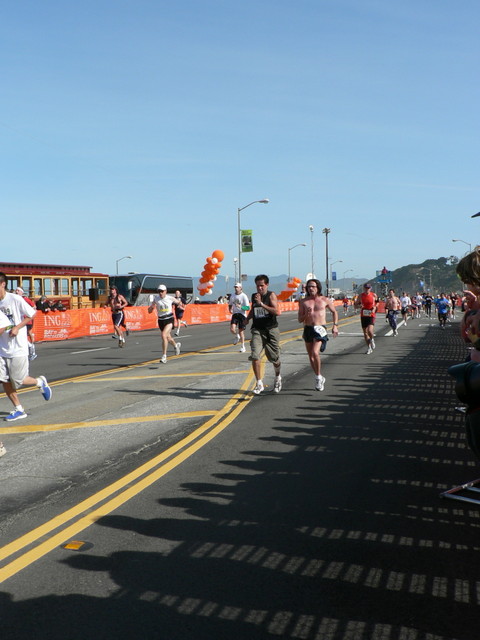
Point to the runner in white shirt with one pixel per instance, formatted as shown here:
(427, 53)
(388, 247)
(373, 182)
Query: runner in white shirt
(164, 304)
(14, 366)
(406, 304)
(238, 305)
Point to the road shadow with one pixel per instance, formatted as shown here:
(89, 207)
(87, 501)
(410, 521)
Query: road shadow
(329, 527)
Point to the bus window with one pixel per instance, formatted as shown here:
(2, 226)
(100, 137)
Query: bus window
(75, 289)
(27, 286)
(37, 285)
(13, 283)
(86, 284)
(47, 286)
(64, 287)
(101, 284)
(56, 286)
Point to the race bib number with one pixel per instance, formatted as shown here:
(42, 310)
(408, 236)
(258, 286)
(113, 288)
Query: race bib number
(320, 329)
(366, 313)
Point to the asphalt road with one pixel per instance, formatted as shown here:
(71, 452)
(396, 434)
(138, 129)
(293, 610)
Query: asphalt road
(165, 501)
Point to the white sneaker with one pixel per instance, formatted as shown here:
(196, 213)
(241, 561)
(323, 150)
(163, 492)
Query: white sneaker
(242, 349)
(258, 388)
(163, 359)
(372, 343)
(3, 451)
(177, 333)
(236, 339)
(395, 332)
(277, 386)
(320, 383)
(369, 351)
(178, 346)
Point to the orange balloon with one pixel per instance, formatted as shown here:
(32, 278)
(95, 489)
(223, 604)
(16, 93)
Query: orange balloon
(219, 255)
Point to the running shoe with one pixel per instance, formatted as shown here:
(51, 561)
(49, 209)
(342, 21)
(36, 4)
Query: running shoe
(320, 383)
(121, 343)
(242, 349)
(258, 388)
(372, 343)
(369, 351)
(177, 332)
(45, 389)
(114, 336)
(236, 339)
(15, 415)
(163, 359)
(395, 332)
(277, 386)
(3, 451)
(178, 346)
(32, 356)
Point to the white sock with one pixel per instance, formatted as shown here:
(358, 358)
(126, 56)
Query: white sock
(19, 407)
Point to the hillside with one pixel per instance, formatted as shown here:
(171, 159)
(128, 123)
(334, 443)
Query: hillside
(437, 276)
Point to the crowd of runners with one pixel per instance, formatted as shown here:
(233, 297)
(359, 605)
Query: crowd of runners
(261, 311)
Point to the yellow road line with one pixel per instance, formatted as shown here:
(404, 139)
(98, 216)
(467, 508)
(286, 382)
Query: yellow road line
(181, 450)
(187, 374)
(106, 423)
(151, 471)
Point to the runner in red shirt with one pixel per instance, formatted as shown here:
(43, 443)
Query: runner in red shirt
(368, 301)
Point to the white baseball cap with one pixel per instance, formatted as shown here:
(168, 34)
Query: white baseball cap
(162, 287)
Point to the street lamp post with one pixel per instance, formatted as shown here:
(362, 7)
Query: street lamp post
(264, 201)
(302, 244)
(235, 260)
(326, 232)
(345, 273)
(430, 272)
(312, 266)
(467, 243)
(331, 269)
(124, 257)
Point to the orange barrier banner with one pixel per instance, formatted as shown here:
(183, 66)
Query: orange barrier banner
(77, 323)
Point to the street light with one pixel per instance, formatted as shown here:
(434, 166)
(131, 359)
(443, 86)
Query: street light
(331, 272)
(235, 260)
(264, 201)
(312, 266)
(326, 232)
(467, 243)
(124, 257)
(302, 244)
(430, 271)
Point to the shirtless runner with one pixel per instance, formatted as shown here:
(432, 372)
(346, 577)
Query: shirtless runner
(311, 312)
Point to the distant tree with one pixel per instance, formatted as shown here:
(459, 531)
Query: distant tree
(452, 260)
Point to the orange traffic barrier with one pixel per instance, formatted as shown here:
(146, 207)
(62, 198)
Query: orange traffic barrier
(77, 323)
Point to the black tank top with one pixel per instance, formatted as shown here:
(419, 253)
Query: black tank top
(263, 319)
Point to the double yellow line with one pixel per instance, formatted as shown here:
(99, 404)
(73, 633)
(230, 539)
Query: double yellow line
(37, 543)
(116, 494)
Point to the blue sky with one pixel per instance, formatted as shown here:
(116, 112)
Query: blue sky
(139, 127)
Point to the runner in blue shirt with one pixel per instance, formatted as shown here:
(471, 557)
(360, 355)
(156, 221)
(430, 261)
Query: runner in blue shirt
(443, 307)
